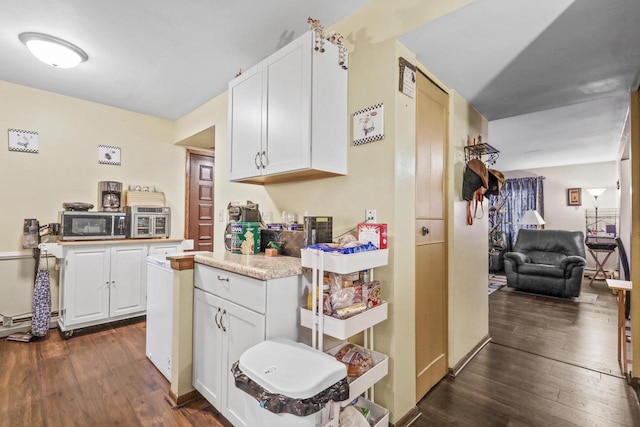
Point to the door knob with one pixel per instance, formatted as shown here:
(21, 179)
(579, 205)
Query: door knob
(425, 230)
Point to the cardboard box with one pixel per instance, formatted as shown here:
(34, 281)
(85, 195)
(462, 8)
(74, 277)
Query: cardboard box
(245, 238)
(374, 233)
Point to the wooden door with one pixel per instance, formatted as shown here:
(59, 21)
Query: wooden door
(431, 286)
(200, 207)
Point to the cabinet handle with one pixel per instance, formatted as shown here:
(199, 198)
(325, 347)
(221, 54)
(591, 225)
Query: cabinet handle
(222, 278)
(107, 283)
(263, 162)
(216, 318)
(255, 160)
(425, 231)
(224, 329)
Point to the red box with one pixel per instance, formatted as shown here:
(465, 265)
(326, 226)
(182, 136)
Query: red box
(374, 233)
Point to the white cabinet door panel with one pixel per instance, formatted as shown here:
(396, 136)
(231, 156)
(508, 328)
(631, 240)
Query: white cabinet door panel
(128, 279)
(287, 80)
(244, 329)
(207, 346)
(245, 124)
(87, 285)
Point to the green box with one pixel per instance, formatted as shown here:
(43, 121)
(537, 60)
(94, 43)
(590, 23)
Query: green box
(245, 238)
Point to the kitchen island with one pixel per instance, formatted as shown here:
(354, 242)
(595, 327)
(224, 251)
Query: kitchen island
(238, 302)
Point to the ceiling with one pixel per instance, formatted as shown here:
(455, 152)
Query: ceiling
(552, 76)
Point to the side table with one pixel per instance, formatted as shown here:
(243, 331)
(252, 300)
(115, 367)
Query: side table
(620, 287)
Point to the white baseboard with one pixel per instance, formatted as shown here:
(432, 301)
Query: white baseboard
(5, 331)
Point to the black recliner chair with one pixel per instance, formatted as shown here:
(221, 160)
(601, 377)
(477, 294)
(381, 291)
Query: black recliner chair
(549, 262)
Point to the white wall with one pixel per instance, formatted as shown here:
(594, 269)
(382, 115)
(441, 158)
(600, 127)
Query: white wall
(557, 214)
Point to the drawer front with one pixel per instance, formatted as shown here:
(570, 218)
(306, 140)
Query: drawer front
(242, 290)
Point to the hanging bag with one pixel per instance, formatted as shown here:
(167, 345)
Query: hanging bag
(474, 184)
(41, 308)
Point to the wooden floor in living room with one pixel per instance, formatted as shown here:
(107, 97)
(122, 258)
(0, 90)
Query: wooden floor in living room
(551, 362)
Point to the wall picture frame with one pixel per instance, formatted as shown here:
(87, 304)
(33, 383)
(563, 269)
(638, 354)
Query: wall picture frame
(109, 155)
(574, 197)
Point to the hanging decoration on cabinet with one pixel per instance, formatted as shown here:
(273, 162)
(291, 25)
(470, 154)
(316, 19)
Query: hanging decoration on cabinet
(368, 125)
(25, 141)
(109, 155)
(333, 37)
(407, 84)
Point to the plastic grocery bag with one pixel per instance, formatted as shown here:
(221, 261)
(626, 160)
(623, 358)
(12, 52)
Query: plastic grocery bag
(351, 417)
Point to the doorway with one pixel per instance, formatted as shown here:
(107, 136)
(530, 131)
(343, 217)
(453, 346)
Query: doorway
(431, 284)
(199, 211)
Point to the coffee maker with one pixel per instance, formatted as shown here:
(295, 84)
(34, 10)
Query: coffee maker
(110, 196)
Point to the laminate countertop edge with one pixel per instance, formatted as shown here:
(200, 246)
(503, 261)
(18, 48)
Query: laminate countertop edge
(256, 266)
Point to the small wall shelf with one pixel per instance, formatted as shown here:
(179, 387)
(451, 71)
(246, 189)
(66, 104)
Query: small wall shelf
(479, 150)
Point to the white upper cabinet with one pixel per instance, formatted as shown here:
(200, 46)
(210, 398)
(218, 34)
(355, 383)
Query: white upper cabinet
(288, 116)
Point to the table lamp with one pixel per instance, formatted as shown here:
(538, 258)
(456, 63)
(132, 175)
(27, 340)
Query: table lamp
(532, 217)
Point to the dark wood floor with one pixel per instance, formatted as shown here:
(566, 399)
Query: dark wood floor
(102, 378)
(551, 362)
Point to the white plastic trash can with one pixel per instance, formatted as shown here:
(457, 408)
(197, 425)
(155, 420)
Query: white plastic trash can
(295, 371)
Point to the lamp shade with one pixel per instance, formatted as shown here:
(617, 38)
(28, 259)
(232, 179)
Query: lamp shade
(531, 217)
(596, 192)
(52, 50)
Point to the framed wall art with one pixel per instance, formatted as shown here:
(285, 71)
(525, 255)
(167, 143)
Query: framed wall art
(25, 141)
(109, 155)
(368, 125)
(574, 197)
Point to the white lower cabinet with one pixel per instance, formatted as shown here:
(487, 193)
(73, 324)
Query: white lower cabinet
(232, 313)
(104, 282)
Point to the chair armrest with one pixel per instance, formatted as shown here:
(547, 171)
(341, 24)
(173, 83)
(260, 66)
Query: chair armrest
(517, 257)
(572, 261)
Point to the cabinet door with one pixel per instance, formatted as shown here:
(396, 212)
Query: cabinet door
(128, 279)
(243, 329)
(245, 124)
(287, 81)
(86, 285)
(207, 346)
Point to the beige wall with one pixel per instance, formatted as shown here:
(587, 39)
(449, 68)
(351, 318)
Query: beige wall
(467, 244)
(66, 169)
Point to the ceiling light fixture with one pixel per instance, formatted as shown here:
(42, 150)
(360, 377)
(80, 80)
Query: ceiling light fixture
(53, 51)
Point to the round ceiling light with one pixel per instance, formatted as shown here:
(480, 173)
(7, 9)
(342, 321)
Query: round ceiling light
(53, 51)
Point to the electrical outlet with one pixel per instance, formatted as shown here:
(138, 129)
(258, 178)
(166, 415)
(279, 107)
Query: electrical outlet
(371, 216)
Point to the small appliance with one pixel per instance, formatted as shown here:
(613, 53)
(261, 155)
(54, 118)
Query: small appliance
(110, 196)
(144, 222)
(83, 225)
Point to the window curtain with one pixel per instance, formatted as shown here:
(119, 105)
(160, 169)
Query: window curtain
(520, 195)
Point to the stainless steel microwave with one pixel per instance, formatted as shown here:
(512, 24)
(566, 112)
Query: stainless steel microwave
(84, 225)
(148, 222)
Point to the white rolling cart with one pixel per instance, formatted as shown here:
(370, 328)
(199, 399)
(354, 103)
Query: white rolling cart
(342, 329)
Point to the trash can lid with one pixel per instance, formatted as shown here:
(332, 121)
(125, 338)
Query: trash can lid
(289, 368)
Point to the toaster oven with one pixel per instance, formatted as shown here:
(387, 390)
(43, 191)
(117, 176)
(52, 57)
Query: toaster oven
(148, 222)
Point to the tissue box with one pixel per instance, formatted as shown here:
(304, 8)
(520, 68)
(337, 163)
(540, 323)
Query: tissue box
(374, 233)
